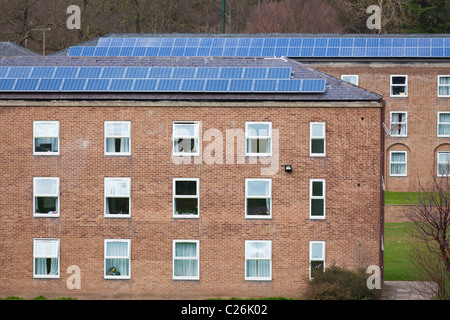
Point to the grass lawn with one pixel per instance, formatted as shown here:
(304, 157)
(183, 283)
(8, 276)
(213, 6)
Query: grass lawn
(397, 265)
(391, 197)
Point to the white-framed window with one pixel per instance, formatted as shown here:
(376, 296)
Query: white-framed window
(46, 258)
(46, 138)
(117, 197)
(399, 86)
(258, 138)
(317, 198)
(46, 196)
(186, 197)
(258, 198)
(398, 166)
(443, 163)
(443, 86)
(317, 139)
(443, 124)
(316, 257)
(117, 259)
(186, 256)
(258, 260)
(186, 138)
(352, 78)
(117, 138)
(399, 122)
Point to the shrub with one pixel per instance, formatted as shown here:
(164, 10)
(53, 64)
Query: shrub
(337, 283)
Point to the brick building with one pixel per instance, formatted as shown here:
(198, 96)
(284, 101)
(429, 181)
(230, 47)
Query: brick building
(234, 183)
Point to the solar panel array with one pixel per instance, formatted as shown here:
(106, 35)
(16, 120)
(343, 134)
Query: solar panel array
(267, 47)
(155, 79)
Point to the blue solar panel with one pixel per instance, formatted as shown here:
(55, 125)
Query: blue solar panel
(49, 84)
(264, 85)
(192, 85)
(207, 73)
(184, 73)
(171, 85)
(136, 72)
(7, 84)
(126, 52)
(121, 85)
(88, 51)
(42, 72)
(160, 72)
(66, 72)
(313, 85)
(26, 84)
(101, 51)
(98, 85)
(293, 85)
(19, 72)
(216, 85)
(279, 73)
(255, 73)
(89, 72)
(3, 71)
(73, 85)
(241, 85)
(113, 72)
(147, 85)
(231, 73)
(75, 51)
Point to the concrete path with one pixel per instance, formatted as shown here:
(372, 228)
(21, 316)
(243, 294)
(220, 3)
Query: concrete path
(407, 290)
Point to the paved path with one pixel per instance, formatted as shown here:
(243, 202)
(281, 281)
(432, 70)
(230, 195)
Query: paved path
(406, 290)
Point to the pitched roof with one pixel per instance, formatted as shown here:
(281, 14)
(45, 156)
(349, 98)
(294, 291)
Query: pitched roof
(335, 89)
(10, 49)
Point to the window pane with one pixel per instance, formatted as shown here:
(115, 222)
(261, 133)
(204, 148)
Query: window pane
(258, 268)
(316, 207)
(316, 251)
(46, 266)
(117, 129)
(117, 206)
(258, 206)
(186, 268)
(46, 205)
(118, 145)
(444, 157)
(117, 267)
(258, 250)
(258, 145)
(398, 168)
(317, 130)
(116, 188)
(398, 90)
(116, 249)
(46, 248)
(186, 206)
(399, 80)
(444, 129)
(46, 144)
(444, 91)
(398, 157)
(186, 249)
(258, 188)
(185, 130)
(186, 188)
(444, 80)
(317, 188)
(46, 186)
(46, 129)
(185, 145)
(443, 169)
(318, 146)
(258, 130)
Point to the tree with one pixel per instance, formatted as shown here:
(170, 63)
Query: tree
(430, 216)
(429, 16)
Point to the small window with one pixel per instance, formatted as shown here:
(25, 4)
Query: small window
(186, 197)
(117, 138)
(258, 198)
(186, 138)
(398, 164)
(186, 260)
(443, 86)
(46, 197)
(399, 86)
(398, 124)
(117, 259)
(46, 258)
(443, 124)
(258, 260)
(317, 199)
(317, 139)
(316, 257)
(46, 137)
(443, 164)
(350, 78)
(117, 197)
(258, 136)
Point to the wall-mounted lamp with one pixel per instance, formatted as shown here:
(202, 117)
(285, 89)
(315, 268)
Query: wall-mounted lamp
(288, 168)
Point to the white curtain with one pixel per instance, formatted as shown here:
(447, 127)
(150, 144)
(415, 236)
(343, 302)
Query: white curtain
(42, 269)
(398, 164)
(444, 125)
(258, 260)
(444, 90)
(46, 187)
(124, 145)
(121, 262)
(399, 127)
(186, 267)
(46, 251)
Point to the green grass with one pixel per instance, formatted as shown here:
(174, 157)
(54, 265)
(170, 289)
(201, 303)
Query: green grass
(391, 197)
(397, 264)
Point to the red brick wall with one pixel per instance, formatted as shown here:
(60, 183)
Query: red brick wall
(351, 228)
(422, 106)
